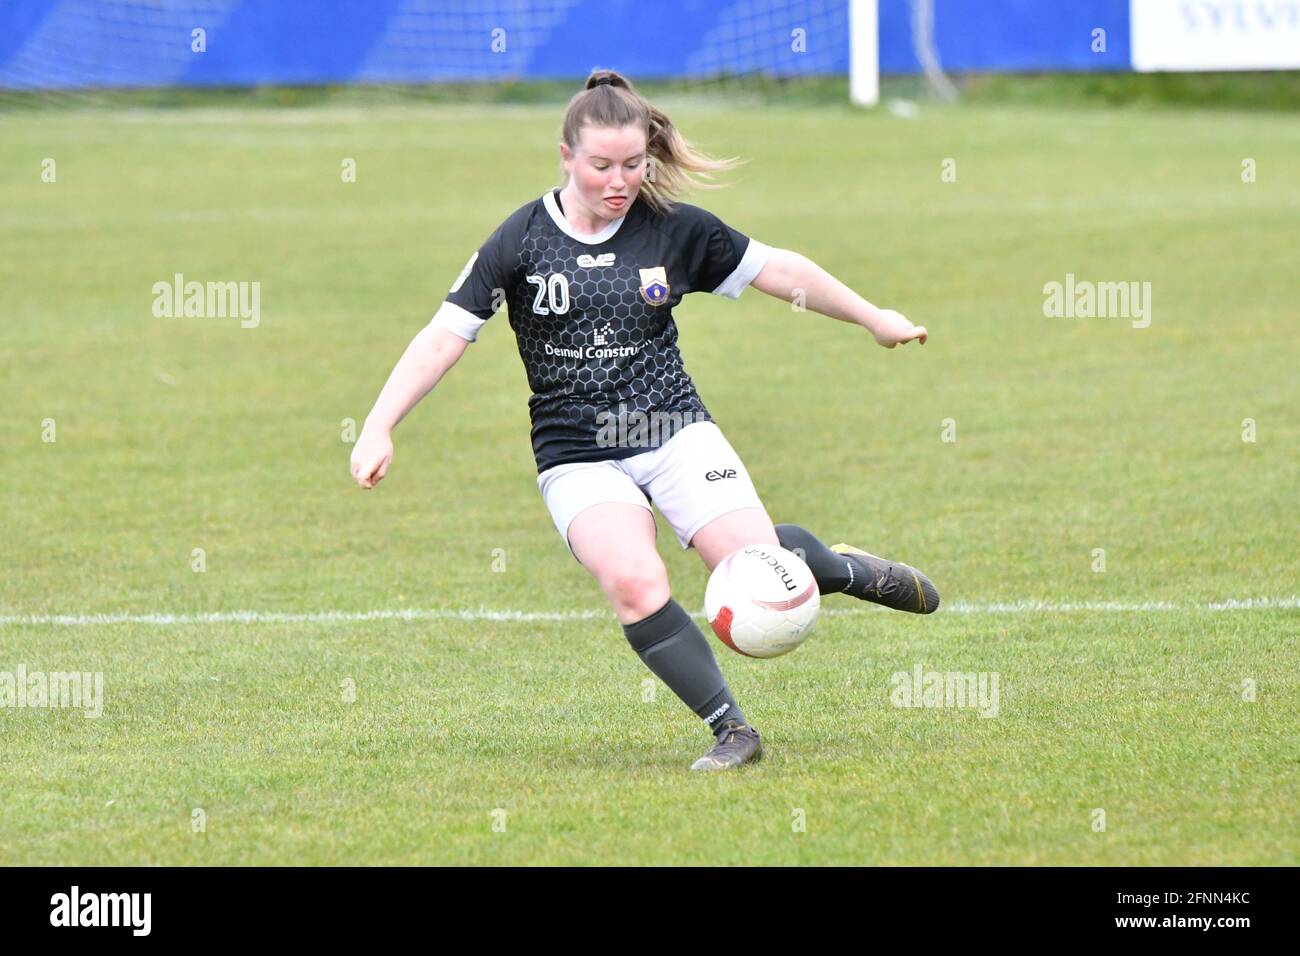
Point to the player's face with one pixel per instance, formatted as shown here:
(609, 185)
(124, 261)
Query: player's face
(607, 168)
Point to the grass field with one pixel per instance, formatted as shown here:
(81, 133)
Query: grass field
(1124, 691)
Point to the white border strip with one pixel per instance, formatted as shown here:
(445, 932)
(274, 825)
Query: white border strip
(557, 217)
(751, 264)
(485, 614)
(458, 320)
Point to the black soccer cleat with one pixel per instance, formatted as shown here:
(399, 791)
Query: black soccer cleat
(737, 744)
(886, 582)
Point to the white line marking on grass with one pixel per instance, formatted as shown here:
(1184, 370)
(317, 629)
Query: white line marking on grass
(485, 614)
(1065, 607)
(312, 617)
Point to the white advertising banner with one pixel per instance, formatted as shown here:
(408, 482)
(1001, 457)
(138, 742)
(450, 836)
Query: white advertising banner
(1215, 34)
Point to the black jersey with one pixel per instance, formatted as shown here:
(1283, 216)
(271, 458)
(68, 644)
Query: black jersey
(593, 318)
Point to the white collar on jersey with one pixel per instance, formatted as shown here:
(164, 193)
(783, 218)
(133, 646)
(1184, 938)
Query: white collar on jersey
(548, 200)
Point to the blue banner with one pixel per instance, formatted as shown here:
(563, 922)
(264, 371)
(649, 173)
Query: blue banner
(62, 44)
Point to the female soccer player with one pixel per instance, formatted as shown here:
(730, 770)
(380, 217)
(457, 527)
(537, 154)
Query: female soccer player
(590, 274)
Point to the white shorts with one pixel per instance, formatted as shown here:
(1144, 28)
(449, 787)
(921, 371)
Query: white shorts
(693, 478)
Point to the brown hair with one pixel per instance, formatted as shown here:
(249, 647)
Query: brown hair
(607, 99)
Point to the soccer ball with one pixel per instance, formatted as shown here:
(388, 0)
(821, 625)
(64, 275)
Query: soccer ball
(762, 601)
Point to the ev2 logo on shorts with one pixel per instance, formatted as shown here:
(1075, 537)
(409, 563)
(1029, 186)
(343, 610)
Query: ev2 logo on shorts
(719, 475)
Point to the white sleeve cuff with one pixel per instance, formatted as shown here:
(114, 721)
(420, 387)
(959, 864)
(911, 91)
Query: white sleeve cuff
(751, 264)
(460, 321)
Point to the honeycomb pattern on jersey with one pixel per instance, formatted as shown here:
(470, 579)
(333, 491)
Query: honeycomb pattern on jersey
(606, 311)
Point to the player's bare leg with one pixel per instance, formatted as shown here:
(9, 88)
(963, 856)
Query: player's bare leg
(616, 543)
(735, 529)
(845, 569)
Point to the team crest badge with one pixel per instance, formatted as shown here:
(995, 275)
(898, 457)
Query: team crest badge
(654, 285)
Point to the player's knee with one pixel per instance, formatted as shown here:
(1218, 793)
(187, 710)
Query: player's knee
(637, 591)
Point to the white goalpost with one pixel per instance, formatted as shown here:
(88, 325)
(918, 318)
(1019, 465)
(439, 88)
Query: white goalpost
(864, 52)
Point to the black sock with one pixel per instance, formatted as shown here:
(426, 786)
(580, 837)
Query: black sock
(835, 574)
(676, 650)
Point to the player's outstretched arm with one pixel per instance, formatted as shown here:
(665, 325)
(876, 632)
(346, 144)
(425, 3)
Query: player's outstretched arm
(786, 274)
(431, 353)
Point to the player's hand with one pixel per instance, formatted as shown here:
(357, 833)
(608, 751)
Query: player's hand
(895, 329)
(371, 457)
